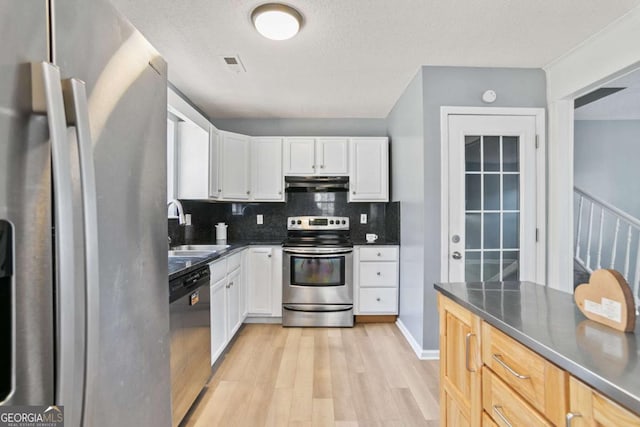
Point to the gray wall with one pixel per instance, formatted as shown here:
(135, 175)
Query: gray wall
(304, 127)
(405, 128)
(461, 86)
(606, 154)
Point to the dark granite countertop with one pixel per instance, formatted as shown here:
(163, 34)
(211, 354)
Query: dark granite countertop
(180, 265)
(549, 322)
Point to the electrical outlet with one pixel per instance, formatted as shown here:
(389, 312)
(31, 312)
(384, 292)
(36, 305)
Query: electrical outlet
(363, 218)
(259, 219)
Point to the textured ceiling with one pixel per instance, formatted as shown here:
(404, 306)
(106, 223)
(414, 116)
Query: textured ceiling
(623, 105)
(353, 58)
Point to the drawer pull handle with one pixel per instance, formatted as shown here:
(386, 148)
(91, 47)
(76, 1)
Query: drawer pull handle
(498, 358)
(467, 354)
(570, 416)
(498, 411)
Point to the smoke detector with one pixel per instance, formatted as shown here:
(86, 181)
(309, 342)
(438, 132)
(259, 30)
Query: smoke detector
(234, 64)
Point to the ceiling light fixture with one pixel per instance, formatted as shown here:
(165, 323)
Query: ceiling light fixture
(276, 21)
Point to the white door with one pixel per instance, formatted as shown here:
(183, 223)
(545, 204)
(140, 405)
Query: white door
(299, 156)
(266, 169)
(234, 166)
(332, 156)
(215, 189)
(492, 198)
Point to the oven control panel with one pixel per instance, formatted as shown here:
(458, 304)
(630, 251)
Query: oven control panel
(317, 223)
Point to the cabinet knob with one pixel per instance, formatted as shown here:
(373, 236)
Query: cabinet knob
(379, 254)
(231, 284)
(269, 255)
(219, 190)
(313, 167)
(378, 273)
(354, 192)
(248, 192)
(378, 299)
(321, 166)
(280, 192)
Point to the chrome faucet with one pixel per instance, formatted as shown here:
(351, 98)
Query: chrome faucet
(181, 219)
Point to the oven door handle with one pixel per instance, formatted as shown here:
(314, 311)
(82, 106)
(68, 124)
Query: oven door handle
(318, 251)
(325, 308)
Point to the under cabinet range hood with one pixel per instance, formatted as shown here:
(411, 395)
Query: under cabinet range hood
(316, 184)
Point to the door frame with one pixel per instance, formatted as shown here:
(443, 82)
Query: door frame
(541, 189)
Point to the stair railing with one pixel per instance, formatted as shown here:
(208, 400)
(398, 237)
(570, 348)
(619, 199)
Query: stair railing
(615, 232)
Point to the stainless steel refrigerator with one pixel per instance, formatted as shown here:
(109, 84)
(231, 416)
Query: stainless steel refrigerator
(84, 313)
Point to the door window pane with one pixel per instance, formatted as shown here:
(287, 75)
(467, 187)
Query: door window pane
(510, 154)
(472, 192)
(510, 265)
(511, 189)
(472, 153)
(472, 267)
(491, 267)
(492, 192)
(491, 153)
(472, 231)
(492, 231)
(510, 230)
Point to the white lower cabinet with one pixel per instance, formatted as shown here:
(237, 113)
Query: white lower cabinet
(227, 298)
(376, 280)
(264, 281)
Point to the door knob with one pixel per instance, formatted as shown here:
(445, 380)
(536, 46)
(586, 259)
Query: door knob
(456, 255)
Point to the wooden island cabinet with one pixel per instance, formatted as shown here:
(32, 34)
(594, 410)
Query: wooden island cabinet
(488, 378)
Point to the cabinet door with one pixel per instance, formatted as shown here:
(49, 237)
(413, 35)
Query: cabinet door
(332, 156)
(192, 161)
(592, 409)
(369, 177)
(233, 303)
(276, 281)
(218, 319)
(267, 183)
(259, 281)
(234, 166)
(460, 365)
(299, 156)
(215, 189)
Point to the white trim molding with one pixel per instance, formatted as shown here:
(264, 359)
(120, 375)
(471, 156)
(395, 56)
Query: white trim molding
(605, 56)
(417, 349)
(541, 185)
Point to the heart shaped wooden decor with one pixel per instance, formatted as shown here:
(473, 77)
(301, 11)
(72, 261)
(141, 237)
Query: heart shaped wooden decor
(607, 299)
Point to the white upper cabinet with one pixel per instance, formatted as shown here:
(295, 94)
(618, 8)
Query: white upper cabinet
(192, 161)
(332, 156)
(369, 177)
(299, 156)
(316, 156)
(234, 166)
(215, 187)
(267, 183)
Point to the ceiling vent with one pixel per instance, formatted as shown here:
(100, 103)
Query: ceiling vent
(234, 64)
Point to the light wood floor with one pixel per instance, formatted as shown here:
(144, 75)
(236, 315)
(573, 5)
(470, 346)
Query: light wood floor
(365, 376)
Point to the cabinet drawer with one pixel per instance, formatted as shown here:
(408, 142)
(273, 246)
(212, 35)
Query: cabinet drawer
(234, 261)
(379, 253)
(379, 274)
(218, 270)
(378, 300)
(487, 421)
(542, 384)
(597, 410)
(505, 406)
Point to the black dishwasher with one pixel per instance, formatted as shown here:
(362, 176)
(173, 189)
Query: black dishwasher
(190, 324)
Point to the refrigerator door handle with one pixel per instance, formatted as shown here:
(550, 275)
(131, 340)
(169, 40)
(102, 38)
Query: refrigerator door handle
(77, 112)
(47, 99)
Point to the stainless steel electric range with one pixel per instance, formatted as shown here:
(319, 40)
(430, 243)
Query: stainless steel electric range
(317, 272)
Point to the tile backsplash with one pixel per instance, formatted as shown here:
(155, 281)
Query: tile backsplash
(382, 218)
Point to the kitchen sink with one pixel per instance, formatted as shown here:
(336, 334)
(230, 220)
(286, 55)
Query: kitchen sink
(206, 248)
(190, 253)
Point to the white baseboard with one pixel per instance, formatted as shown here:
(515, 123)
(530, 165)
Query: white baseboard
(262, 319)
(417, 349)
